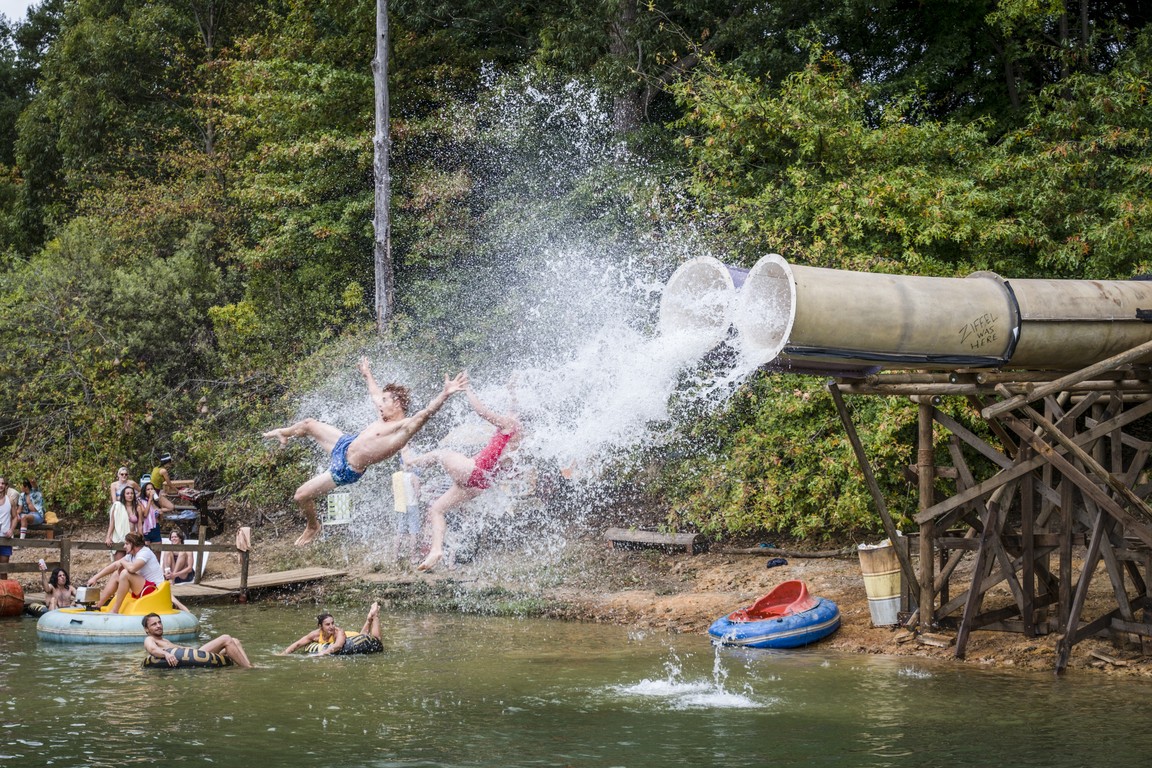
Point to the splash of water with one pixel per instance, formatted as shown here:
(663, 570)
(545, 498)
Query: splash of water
(677, 692)
(593, 382)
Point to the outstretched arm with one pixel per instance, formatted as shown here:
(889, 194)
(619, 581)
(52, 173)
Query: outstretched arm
(506, 422)
(451, 387)
(374, 390)
(308, 638)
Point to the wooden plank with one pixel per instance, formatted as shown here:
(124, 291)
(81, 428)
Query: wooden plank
(652, 538)
(192, 590)
(937, 640)
(277, 579)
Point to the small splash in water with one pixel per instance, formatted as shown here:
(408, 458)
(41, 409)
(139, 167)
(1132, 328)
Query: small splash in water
(675, 692)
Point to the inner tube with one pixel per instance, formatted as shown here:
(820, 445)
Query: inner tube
(354, 643)
(35, 609)
(189, 658)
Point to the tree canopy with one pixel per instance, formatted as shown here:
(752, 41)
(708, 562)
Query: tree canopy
(186, 199)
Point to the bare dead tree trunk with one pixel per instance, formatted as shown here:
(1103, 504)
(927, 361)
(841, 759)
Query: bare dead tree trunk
(382, 142)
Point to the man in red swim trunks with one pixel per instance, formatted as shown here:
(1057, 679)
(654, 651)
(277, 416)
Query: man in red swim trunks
(353, 454)
(470, 475)
(138, 571)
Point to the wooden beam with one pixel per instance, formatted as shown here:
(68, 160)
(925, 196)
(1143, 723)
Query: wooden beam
(1068, 382)
(970, 437)
(1023, 467)
(1113, 482)
(1091, 558)
(886, 520)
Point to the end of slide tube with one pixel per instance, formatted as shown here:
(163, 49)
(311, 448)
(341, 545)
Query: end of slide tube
(765, 310)
(698, 299)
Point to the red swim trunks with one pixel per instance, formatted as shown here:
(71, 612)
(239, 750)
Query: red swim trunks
(487, 460)
(147, 589)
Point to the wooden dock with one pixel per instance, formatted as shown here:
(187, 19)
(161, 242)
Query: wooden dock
(276, 578)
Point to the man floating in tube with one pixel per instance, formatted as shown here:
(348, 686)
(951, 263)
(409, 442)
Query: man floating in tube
(353, 454)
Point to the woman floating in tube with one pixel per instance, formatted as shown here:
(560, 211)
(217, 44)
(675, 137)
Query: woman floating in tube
(471, 475)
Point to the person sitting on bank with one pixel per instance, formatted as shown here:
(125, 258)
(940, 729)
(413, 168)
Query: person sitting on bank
(137, 573)
(158, 647)
(334, 640)
(58, 589)
(178, 567)
(31, 503)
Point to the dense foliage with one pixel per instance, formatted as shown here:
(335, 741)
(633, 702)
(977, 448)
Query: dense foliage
(186, 202)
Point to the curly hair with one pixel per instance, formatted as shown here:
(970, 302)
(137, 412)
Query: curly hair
(401, 393)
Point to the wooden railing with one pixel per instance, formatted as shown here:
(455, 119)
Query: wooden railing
(64, 546)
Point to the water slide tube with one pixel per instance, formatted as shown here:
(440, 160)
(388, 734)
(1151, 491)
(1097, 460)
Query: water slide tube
(810, 319)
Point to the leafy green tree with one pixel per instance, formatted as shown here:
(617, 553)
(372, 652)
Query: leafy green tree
(777, 461)
(297, 116)
(100, 360)
(804, 171)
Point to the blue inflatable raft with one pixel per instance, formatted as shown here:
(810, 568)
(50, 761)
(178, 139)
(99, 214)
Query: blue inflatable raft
(787, 617)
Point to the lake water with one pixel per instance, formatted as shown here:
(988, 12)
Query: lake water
(457, 690)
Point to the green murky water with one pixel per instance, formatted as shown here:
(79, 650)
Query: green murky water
(466, 691)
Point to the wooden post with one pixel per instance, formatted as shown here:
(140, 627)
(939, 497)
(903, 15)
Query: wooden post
(201, 530)
(244, 576)
(927, 576)
(66, 553)
(382, 147)
(926, 475)
(1028, 553)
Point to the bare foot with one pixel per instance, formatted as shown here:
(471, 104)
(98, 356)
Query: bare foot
(311, 531)
(279, 435)
(375, 609)
(430, 561)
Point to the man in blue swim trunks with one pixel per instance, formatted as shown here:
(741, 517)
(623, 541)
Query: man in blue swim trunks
(353, 454)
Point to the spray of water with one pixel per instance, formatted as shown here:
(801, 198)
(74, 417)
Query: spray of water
(577, 356)
(675, 690)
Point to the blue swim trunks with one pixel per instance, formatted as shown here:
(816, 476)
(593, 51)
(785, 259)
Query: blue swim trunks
(342, 473)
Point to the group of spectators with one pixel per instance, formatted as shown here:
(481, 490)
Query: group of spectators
(134, 521)
(137, 507)
(18, 510)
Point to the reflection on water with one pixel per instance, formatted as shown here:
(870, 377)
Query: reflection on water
(467, 691)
